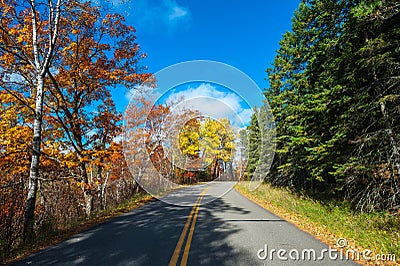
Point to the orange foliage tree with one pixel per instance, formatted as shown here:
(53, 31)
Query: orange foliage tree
(99, 52)
(59, 60)
(29, 33)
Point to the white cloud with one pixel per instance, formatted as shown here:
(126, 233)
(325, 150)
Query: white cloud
(213, 102)
(159, 15)
(177, 13)
(245, 115)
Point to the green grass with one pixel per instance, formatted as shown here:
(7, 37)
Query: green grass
(379, 232)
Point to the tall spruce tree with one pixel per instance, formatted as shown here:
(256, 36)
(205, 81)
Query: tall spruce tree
(334, 91)
(253, 142)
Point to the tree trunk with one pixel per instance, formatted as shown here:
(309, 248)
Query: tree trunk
(87, 191)
(389, 128)
(34, 169)
(136, 187)
(103, 190)
(88, 202)
(390, 135)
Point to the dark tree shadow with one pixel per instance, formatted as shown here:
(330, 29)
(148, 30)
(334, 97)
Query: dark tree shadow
(148, 236)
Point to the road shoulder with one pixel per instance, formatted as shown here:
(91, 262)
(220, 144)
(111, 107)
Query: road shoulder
(318, 232)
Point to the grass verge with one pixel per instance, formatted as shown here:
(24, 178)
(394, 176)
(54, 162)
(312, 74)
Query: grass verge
(328, 222)
(61, 234)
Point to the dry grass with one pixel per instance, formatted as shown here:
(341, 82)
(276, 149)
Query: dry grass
(378, 232)
(62, 234)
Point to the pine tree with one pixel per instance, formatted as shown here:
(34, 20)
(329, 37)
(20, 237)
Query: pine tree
(334, 91)
(254, 147)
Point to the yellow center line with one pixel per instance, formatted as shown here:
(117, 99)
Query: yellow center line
(190, 236)
(177, 251)
(178, 247)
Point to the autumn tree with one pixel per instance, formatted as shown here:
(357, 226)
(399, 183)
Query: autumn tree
(15, 138)
(145, 130)
(168, 156)
(99, 53)
(29, 43)
(211, 142)
(189, 137)
(59, 61)
(218, 139)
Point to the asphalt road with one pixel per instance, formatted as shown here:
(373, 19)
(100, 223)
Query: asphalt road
(213, 230)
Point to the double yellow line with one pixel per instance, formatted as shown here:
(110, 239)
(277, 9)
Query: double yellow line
(193, 214)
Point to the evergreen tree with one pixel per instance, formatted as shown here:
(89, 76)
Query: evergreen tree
(334, 92)
(254, 147)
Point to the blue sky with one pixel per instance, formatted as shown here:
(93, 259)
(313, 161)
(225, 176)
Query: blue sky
(244, 34)
(212, 100)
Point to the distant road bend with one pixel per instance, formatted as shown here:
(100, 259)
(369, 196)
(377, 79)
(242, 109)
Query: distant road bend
(229, 230)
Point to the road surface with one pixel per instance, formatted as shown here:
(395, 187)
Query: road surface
(228, 230)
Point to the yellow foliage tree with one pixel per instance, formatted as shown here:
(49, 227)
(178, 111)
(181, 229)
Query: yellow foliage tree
(213, 141)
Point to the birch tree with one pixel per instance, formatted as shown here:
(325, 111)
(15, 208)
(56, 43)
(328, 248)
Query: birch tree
(29, 38)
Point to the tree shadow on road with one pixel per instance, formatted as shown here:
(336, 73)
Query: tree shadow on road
(148, 236)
